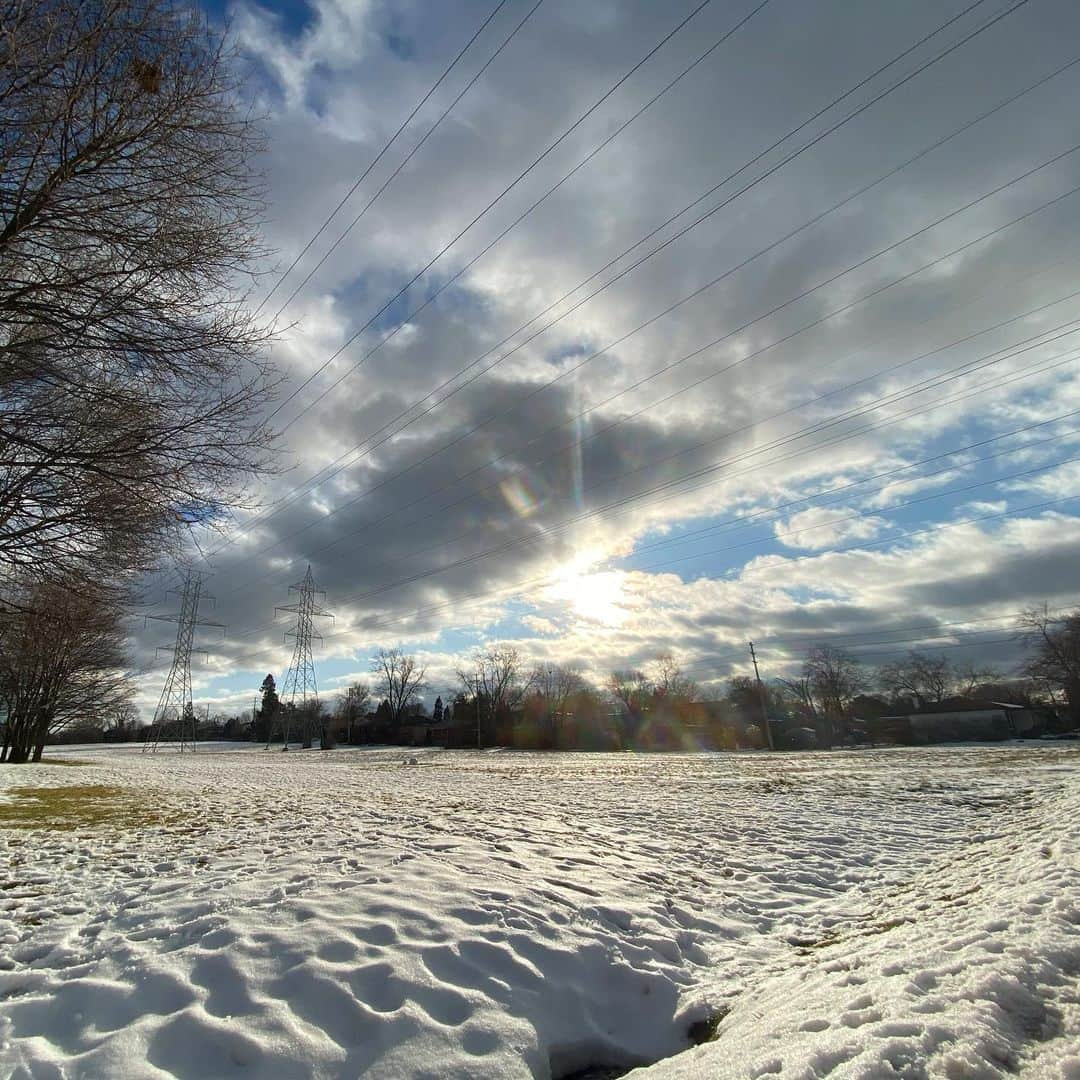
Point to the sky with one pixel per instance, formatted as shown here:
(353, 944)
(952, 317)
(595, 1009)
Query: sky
(732, 361)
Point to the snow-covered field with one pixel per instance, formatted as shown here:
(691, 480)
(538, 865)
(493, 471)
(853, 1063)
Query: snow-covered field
(249, 913)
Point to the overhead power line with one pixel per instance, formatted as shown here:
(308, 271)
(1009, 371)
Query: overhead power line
(498, 198)
(378, 157)
(727, 335)
(829, 637)
(508, 593)
(705, 668)
(408, 157)
(1036, 341)
(545, 579)
(529, 538)
(340, 463)
(769, 172)
(816, 428)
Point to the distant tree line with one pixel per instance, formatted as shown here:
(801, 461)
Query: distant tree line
(833, 699)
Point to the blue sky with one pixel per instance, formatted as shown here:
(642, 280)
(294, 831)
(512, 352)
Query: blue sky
(515, 464)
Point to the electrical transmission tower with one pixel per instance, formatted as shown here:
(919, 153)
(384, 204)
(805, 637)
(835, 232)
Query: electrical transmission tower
(300, 680)
(174, 717)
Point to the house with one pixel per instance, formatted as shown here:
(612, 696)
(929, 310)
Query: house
(964, 720)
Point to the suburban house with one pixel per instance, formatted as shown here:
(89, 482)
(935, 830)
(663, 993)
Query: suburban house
(964, 719)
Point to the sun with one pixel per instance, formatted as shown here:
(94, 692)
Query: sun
(595, 597)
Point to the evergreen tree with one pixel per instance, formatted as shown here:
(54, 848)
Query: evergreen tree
(437, 711)
(264, 722)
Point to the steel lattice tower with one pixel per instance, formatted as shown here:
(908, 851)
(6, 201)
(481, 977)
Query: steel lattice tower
(300, 679)
(175, 713)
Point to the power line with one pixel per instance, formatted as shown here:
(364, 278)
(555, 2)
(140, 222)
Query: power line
(693, 224)
(832, 637)
(624, 419)
(705, 670)
(780, 537)
(729, 433)
(378, 157)
(775, 510)
(661, 246)
(336, 467)
(919, 532)
(512, 590)
(521, 176)
(831, 279)
(709, 213)
(405, 161)
(458, 274)
(471, 559)
(813, 429)
(922, 386)
(546, 579)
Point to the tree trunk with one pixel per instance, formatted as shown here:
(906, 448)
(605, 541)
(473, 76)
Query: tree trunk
(1072, 698)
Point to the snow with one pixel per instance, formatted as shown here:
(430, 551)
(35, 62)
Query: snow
(251, 913)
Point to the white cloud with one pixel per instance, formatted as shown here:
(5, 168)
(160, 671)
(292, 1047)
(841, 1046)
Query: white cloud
(820, 528)
(440, 526)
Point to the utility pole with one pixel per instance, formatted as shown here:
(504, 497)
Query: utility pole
(479, 708)
(300, 680)
(761, 698)
(175, 714)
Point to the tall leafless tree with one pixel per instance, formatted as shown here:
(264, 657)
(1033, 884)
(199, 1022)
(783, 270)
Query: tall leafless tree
(1054, 660)
(132, 376)
(834, 677)
(398, 680)
(555, 684)
(929, 678)
(496, 675)
(669, 681)
(922, 677)
(496, 681)
(351, 707)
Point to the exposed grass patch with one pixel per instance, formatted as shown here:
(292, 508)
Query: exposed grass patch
(70, 763)
(805, 945)
(83, 806)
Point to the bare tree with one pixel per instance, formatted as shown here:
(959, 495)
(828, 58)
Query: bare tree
(496, 675)
(496, 682)
(123, 719)
(131, 376)
(555, 684)
(669, 683)
(632, 688)
(969, 678)
(352, 706)
(834, 677)
(801, 692)
(923, 678)
(399, 678)
(61, 662)
(1055, 654)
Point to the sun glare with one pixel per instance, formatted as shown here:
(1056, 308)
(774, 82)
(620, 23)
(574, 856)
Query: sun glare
(595, 597)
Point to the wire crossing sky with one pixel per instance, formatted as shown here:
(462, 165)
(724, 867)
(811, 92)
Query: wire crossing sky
(622, 328)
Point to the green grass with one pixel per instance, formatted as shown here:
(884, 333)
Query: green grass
(83, 806)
